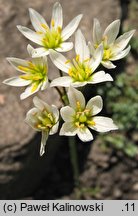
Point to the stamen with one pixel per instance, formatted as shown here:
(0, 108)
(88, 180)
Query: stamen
(77, 58)
(23, 68)
(52, 22)
(59, 29)
(44, 26)
(66, 62)
(39, 32)
(92, 123)
(86, 60)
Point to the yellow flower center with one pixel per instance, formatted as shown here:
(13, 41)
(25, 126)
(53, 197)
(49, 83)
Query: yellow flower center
(36, 73)
(45, 120)
(83, 118)
(80, 71)
(107, 54)
(52, 37)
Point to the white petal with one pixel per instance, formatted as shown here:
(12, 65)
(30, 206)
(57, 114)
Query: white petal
(64, 47)
(85, 135)
(67, 113)
(37, 20)
(40, 52)
(95, 105)
(45, 85)
(103, 124)
(68, 129)
(65, 81)
(59, 60)
(43, 142)
(16, 81)
(79, 84)
(28, 92)
(71, 27)
(97, 58)
(112, 31)
(30, 49)
(41, 105)
(15, 62)
(81, 47)
(55, 112)
(100, 76)
(97, 32)
(31, 119)
(31, 35)
(121, 55)
(122, 41)
(91, 48)
(57, 16)
(74, 97)
(54, 129)
(108, 64)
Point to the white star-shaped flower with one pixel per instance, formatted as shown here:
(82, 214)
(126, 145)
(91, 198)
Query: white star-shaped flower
(81, 69)
(52, 37)
(43, 118)
(114, 48)
(34, 74)
(79, 116)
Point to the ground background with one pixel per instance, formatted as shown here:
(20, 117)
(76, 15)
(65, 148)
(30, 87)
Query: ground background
(109, 165)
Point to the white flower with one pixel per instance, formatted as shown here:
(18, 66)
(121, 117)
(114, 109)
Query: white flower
(34, 74)
(114, 49)
(81, 69)
(52, 37)
(43, 118)
(79, 116)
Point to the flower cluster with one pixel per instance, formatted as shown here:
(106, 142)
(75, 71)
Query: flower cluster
(79, 117)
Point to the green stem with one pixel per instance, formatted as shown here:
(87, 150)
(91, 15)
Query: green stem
(74, 159)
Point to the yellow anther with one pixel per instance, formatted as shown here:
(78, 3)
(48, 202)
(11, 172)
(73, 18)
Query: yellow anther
(39, 32)
(70, 72)
(104, 38)
(59, 29)
(44, 26)
(77, 124)
(66, 62)
(25, 77)
(52, 22)
(92, 123)
(31, 65)
(23, 68)
(34, 87)
(78, 105)
(86, 60)
(77, 58)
